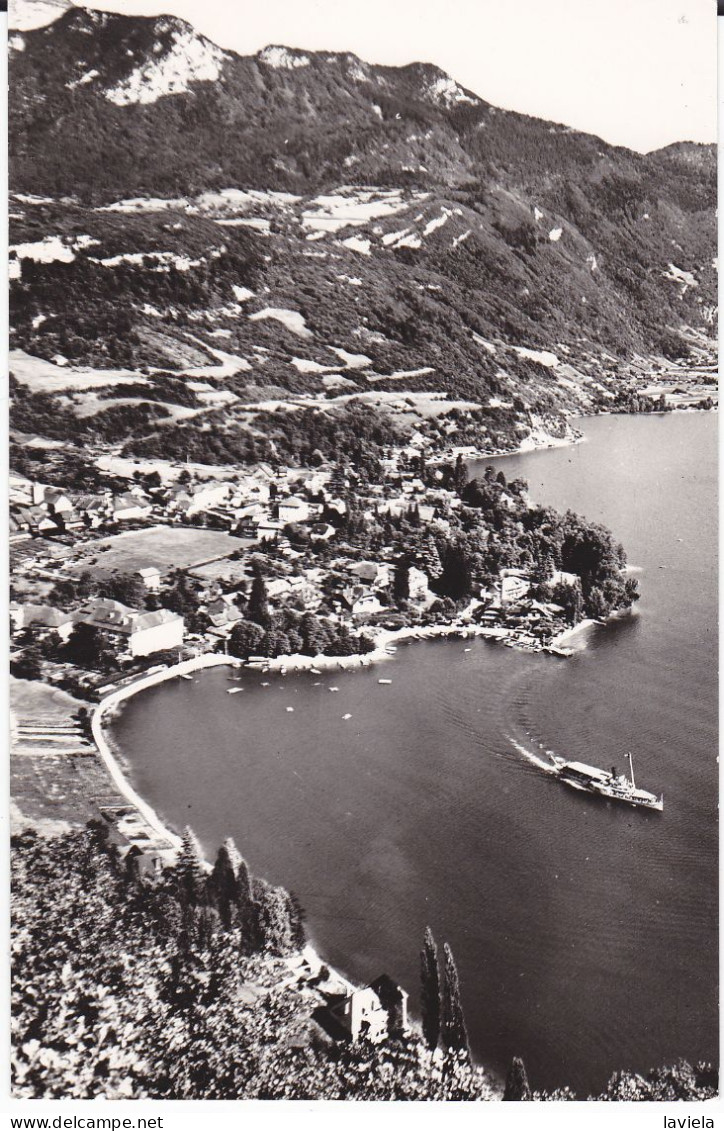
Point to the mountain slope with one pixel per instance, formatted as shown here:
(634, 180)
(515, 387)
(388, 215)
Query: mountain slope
(385, 212)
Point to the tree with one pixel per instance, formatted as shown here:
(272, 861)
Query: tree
(429, 559)
(401, 582)
(314, 635)
(223, 884)
(596, 604)
(88, 647)
(454, 1031)
(516, 1084)
(430, 990)
(50, 646)
(570, 597)
(258, 607)
(190, 871)
(460, 474)
(677, 1082)
(29, 664)
(543, 569)
(246, 639)
(455, 580)
(277, 930)
(182, 597)
(127, 588)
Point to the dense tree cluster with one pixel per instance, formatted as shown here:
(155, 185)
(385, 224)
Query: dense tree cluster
(171, 989)
(290, 632)
(629, 401)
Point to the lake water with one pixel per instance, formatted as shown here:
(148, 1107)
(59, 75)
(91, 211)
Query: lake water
(585, 932)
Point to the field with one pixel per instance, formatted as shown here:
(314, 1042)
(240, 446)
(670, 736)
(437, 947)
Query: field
(51, 790)
(45, 377)
(165, 547)
(221, 571)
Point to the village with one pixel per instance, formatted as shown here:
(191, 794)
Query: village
(183, 550)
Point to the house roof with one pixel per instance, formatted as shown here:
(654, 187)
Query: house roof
(52, 494)
(92, 502)
(385, 986)
(155, 618)
(368, 571)
(45, 616)
(127, 501)
(149, 571)
(108, 614)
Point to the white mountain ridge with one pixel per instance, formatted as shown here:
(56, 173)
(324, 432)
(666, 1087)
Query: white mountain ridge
(26, 15)
(191, 58)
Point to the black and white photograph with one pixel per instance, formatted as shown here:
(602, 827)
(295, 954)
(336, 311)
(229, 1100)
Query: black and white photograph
(363, 552)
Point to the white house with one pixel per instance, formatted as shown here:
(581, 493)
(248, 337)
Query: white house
(361, 603)
(151, 578)
(95, 508)
(395, 506)
(142, 633)
(130, 507)
(418, 583)
(224, 612)
(266, 527)
(251, 489)
(512, 588)
(20, 490)
(56, 501)
(293, 509)
(44, 618)
(317, 481)
(374, 1013)
(204, 495)
(337, 505)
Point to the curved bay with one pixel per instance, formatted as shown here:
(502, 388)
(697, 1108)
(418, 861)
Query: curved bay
(585, 933)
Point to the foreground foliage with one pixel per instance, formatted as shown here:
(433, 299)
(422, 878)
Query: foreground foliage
(176, 989)
(125, 989)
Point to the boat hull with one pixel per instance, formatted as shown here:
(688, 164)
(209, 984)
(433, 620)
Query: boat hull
(600, 783)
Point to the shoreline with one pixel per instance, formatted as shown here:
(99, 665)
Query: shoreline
(569, 633)
(541, 442)
(385, 642)
(110, 704)
(307, 960)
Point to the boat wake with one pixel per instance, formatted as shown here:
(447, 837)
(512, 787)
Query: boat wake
(533, 758)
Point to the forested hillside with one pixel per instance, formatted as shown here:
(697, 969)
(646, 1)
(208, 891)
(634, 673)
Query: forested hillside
(334, 226)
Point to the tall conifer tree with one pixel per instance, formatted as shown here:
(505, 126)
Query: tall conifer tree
(516, 1084)
(191, 871)
(430, 990)
(454, 1031)
(223, 882)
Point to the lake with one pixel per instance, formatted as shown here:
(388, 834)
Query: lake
(585, 932)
